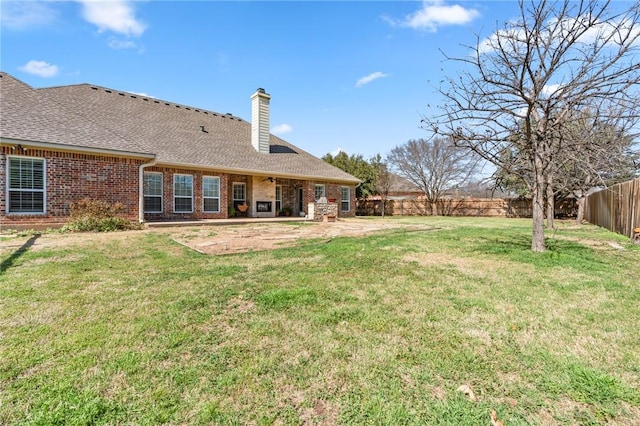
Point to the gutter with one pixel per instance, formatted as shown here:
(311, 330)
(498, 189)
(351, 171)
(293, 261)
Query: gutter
(141, 189)
(74, 148)
(275, 173)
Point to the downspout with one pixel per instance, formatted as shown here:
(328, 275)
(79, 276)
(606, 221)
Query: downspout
(141, 189)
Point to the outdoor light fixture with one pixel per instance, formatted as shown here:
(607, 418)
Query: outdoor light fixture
(18, 147)
(270, 179)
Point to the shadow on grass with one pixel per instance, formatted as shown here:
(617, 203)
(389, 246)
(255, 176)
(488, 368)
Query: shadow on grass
(557, 253)
(507, 246)
(8, 262)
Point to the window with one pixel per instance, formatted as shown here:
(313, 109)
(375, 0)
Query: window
(26, 185)
(183, 193)
(152, 192)
(319, 191)
(345, 199)
(211, 194)
(239, 193)
(278, 198)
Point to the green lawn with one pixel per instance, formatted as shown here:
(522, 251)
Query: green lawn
(375, 330)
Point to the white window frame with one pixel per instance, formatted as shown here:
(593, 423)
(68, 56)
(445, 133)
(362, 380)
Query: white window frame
(343, 200)
(161, 195)
(244, 193)
(175, 197)
(278, 198)
(321, 189)
(42, 190)
(210, 197)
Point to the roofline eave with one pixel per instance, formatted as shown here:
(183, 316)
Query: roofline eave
(77, 148)
(84, 149)
(256, 172)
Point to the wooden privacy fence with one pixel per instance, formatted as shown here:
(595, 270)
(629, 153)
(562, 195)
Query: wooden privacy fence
(616, 208)
(499, 207)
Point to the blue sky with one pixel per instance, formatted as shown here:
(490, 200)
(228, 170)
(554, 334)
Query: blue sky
(354, 76)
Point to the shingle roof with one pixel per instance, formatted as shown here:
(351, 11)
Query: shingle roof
(95, 116)
(400, 184)
(28, 116)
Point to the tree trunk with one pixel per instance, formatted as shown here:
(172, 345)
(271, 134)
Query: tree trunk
(537, 240)
(383, 206)
(580, 216)
(551, 208)
(434, 208)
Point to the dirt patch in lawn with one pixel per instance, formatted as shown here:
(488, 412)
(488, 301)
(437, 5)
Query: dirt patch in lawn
(215, 239)
(267, 236)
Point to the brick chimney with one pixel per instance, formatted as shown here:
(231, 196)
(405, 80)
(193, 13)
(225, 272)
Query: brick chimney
(260, 120)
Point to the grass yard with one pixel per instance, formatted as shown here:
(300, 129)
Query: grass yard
(382, 329)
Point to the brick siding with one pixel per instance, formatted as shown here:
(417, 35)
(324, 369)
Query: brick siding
(198, 207)
(73, 176)
(332, 191)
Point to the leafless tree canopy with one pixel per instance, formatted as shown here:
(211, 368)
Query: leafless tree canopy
(434, 166)
(383, 183)
(533, 77)
(607, 157)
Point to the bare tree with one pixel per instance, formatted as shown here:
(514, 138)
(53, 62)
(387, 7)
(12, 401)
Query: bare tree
(608, 157)
(529, 77)
(605, 156)
(434, 166)
(383, 184)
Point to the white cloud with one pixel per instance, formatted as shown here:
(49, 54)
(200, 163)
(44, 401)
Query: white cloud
(118, 44)
(337, 151)
(516, 36)
(602, 32)
(369, 78)
(114, 43)
(281, 129)
(613, 31)
(113, 15)
(19, 15)
(435, 13)
(550, 89)
(40, 68)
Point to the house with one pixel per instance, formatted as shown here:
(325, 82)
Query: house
(161, 160)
